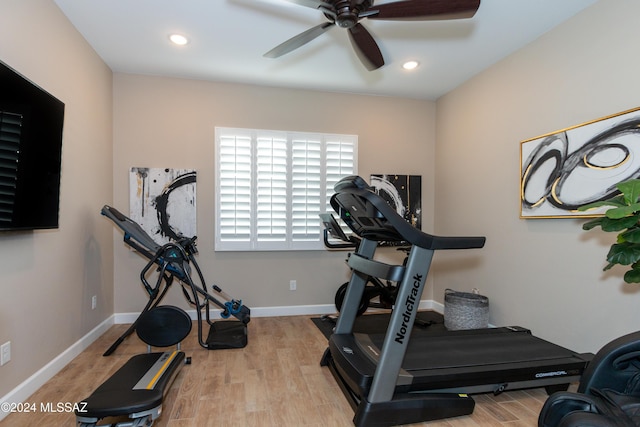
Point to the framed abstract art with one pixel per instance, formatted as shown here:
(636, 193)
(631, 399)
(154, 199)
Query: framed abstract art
(569, 168)
(163, 202)
(403, 193)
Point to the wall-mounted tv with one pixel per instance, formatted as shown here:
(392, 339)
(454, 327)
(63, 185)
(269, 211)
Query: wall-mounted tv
(31, 122)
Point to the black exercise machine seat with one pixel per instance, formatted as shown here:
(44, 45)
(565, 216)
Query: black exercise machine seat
(394, 378)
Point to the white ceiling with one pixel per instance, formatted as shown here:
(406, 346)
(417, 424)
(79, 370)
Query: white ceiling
(229, 37)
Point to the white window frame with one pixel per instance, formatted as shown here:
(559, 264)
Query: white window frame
(234, 200)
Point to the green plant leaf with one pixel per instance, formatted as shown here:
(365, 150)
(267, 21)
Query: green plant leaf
(632, 235)
(621, 212)
(623, 217)
(632, 276)
(617, 201)
(624, 253)
(619, 224)
(596, 222)
(631, 190)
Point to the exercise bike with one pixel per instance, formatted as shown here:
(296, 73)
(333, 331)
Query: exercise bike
(377, 293)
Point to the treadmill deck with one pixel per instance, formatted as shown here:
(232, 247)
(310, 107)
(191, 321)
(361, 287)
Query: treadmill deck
(462, 361)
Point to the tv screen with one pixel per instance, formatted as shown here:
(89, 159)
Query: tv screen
(31, 122)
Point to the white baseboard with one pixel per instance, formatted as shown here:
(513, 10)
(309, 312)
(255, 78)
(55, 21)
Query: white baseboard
(294, 310)
(37, 380)
(22, 392)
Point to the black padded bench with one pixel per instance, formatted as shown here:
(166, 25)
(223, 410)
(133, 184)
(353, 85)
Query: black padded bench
(134, 393)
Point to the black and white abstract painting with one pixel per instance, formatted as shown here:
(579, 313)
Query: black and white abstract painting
(163, 202)
(403, 193)
(564, 170)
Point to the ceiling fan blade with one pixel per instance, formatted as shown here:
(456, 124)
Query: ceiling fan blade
(366, 47)
(314, 4)
(424, 10)
(299, 40)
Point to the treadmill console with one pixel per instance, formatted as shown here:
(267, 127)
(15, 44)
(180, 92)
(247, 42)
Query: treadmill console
(369, 216)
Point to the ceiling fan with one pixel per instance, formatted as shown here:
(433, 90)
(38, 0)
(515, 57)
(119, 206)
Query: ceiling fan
(348, 13)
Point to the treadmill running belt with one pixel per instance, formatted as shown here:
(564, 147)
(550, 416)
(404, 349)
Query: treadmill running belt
(469, 350)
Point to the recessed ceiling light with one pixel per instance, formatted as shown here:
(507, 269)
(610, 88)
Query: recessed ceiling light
(410, 65)
(178, 39)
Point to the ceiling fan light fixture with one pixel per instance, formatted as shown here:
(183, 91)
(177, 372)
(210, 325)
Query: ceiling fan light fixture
(410, 65)
(178, 39)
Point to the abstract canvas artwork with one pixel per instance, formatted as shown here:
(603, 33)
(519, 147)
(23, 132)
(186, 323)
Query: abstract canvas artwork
(564, 170)
(163, 202)
(403, 193)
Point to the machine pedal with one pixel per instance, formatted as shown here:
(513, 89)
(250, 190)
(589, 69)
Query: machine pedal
(226, 334)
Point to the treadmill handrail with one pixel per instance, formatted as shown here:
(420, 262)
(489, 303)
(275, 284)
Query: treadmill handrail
(356, 186)
(375, 268)
(332, 228)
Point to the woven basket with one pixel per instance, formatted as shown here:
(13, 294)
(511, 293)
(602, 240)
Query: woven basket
(465, 310)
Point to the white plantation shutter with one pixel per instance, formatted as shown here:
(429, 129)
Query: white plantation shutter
(340, 162)
(271, 189)
(234, 188)
(306, 181)
(272, 185)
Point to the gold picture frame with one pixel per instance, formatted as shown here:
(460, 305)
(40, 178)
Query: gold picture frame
(572, 167)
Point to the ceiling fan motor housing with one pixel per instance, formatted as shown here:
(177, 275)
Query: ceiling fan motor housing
(347, 12)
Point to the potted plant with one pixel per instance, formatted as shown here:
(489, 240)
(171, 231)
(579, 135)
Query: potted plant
(624, 218)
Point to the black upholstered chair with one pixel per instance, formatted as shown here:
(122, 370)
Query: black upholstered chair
(608, 394)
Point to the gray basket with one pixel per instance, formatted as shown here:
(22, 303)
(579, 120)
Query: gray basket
(465, 310)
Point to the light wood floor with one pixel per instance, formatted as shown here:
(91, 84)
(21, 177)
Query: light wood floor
(275, 381)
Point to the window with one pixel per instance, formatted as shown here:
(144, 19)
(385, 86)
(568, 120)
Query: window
(271, 186)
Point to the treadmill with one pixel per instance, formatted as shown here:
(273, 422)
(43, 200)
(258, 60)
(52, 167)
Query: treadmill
(394, 378)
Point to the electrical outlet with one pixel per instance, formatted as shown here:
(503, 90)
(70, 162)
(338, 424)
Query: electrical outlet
(292, 285)
(5, 353)
(94, 302)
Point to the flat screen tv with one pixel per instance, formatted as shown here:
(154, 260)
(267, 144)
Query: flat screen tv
(31, 122)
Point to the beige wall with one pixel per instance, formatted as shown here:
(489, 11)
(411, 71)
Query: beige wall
(48, 277)
(164, 122)
(544, 274)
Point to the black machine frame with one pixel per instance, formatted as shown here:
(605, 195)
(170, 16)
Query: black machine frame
(372, 377)
(174, 261)
(377, 293)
